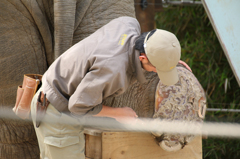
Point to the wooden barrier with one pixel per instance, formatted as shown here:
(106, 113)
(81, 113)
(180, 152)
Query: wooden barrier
(134, 145)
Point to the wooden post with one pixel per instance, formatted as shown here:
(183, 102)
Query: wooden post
(93, 143)
(146, 16)
(158, 6)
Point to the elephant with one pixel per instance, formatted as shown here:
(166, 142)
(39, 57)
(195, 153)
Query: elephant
(35, 32)
(32, 34)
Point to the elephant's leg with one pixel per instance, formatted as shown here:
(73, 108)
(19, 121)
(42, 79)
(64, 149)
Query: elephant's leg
(21, 51)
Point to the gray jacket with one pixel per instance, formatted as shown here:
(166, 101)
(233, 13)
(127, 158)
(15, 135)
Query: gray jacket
(97, 67)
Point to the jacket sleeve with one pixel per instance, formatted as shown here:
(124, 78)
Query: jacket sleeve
(99, 83)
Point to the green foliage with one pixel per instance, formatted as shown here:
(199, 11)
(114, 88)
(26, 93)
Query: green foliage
(202, 51)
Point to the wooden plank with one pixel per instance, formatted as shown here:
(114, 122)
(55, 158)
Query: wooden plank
(93, 146)
(134, 145)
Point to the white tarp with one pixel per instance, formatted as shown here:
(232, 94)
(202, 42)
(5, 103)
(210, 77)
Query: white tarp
(225, 18)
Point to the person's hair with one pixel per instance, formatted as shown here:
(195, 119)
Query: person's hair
(140, 41)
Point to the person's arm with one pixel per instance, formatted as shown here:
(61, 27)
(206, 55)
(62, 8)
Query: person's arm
(102, 81)
(117, 113)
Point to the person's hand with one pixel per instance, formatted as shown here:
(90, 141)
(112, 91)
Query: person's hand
(124, 114)
(183, 63)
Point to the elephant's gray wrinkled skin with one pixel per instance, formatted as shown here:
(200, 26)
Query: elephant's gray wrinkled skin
(32, 34)
(140, 97)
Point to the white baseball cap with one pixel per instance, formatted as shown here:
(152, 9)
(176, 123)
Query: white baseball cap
(164, 51)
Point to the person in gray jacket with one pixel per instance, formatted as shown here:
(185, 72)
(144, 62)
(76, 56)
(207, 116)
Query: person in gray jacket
(95, 68)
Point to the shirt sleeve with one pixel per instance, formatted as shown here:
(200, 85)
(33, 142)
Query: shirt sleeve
(105, 78)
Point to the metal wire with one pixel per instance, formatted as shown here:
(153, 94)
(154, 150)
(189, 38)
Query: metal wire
(168, 2)
(223, 110)
(216, 129)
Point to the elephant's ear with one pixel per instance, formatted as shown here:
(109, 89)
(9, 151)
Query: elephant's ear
(184, 101)
(75, 20)
(93, 14)
(40, 20)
